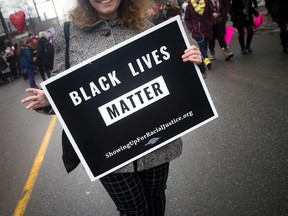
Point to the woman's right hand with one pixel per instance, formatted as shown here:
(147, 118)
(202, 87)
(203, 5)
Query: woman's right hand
(192, 54)
(215, 15)
(37, 100)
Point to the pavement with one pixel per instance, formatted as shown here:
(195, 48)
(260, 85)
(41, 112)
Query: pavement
(236, 165)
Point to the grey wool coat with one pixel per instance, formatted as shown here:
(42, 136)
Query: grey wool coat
(86, 43)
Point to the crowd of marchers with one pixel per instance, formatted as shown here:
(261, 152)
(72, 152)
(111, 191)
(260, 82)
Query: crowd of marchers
(27, 57)
(207, 20)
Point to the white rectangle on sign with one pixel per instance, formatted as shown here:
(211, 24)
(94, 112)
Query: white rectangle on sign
(134, 100)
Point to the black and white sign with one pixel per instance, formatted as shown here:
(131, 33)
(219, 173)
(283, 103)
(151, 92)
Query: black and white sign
(131, 99)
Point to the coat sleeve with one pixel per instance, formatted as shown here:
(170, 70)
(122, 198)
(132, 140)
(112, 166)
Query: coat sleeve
(188, 18)
(59, 53)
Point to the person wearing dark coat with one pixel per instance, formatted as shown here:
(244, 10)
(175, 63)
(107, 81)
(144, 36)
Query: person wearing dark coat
(44, 57)
(242, 17)
(11, 59)
(219, 30)
(279, 13)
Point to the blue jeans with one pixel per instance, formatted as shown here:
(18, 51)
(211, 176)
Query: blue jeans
(203, 46)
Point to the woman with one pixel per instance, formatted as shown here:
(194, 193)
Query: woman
(219, 29)
(198, 19)
(242, 12)
(96, 25)
(44, 56)
(278, 10)
(26, 61)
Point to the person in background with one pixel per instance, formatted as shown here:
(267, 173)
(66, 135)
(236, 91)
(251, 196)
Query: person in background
(33, 45)
(44, 56)
(242, 17)
(198, 19)
(157, 15)
(183, 7)
(26, 61)
(255, 3)
(17, 51)
(3, 69)
(278, 10)
(219, 30)
(171, 10)
(11, 59)
(139, 187)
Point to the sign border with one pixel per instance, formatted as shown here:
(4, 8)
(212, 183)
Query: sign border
(70, 70)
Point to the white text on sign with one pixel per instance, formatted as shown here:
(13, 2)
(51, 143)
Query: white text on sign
(133, 101)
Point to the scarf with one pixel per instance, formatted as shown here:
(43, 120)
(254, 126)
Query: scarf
(199, 7)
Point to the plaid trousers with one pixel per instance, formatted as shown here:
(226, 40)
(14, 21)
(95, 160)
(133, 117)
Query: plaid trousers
(139, 193)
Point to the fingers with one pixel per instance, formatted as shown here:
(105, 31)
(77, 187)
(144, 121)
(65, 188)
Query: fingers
(30, 106)
(192, 54)
(29, 99)
(33, 106)
(33, 90)
(34, 101)
(37, 100)
(196, 59)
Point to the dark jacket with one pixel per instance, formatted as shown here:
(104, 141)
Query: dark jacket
(199, 25)
(222, 12)
(44, 57)
(278, 10)
(239, 18)
(11, 59)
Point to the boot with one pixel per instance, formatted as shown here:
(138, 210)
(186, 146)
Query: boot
(248, 42)
(207, 63)
(243, 49)
(212, 55)
(284, 41)
(227, 54)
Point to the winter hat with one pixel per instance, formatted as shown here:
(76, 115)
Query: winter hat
(41, 34)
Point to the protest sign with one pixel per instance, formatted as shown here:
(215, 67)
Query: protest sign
(131, 99)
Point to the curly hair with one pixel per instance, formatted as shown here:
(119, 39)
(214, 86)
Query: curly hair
(132, 13)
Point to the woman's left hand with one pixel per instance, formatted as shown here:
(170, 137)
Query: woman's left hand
(37, 100)
(192, 54)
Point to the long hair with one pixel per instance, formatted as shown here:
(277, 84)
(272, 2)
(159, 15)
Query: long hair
(132, 13)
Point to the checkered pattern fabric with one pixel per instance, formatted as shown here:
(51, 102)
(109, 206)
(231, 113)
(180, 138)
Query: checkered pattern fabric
(138, 193)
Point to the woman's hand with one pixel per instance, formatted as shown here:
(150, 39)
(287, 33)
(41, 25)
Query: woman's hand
(215, 15)
(38, 100)
(192, 54)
